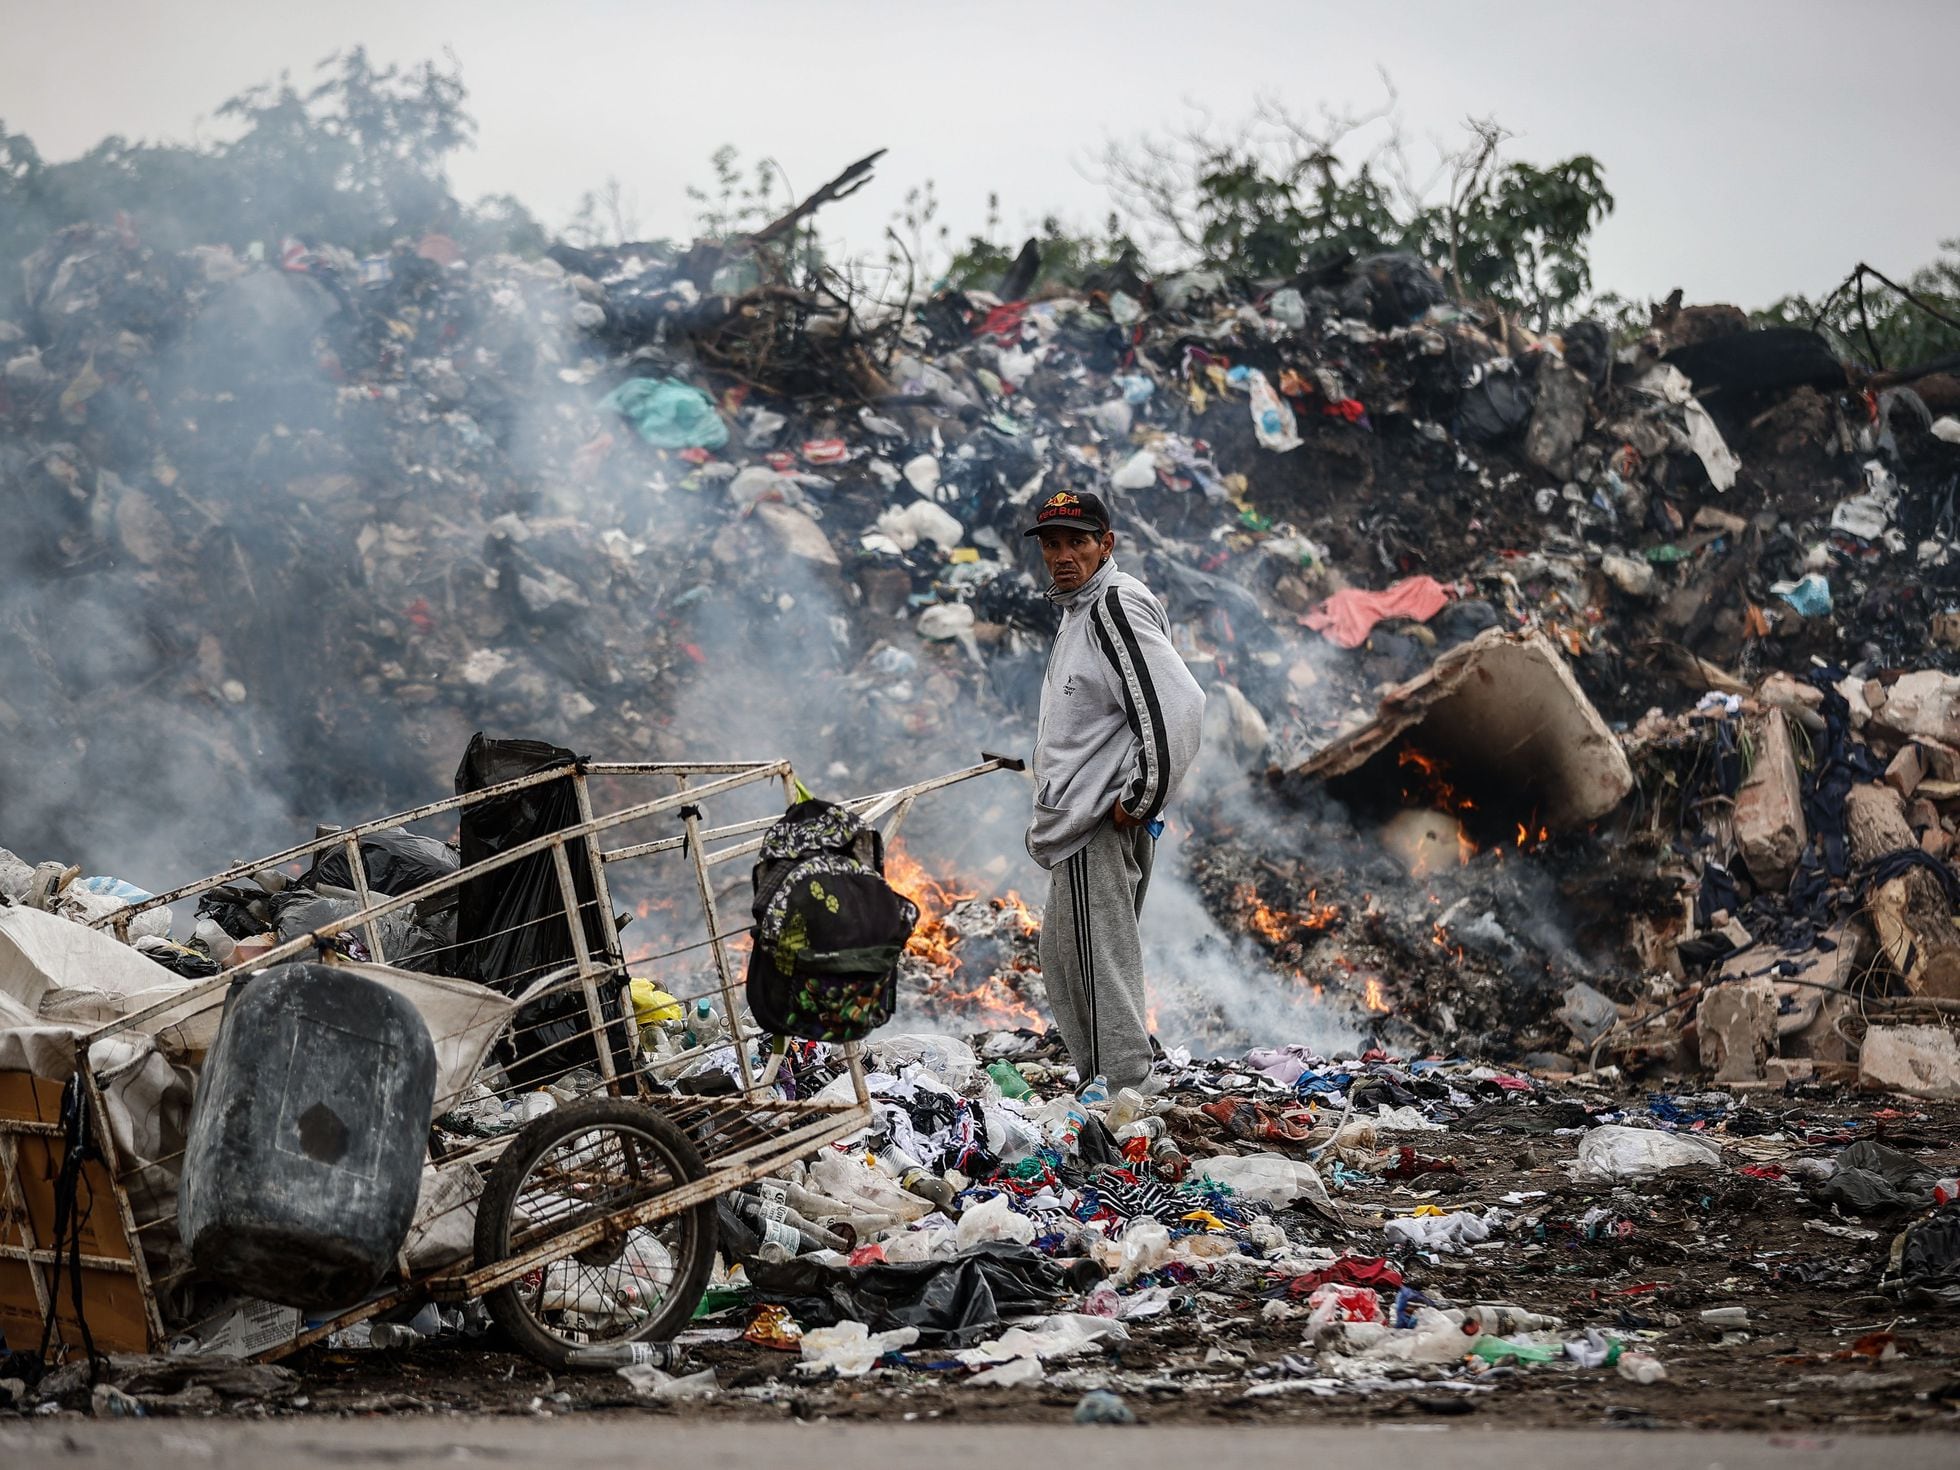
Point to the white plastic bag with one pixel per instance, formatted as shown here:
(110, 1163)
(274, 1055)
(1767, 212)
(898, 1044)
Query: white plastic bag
(908, 525)
(994, 1219)
(1614, 1151)
(1272, 417)
(1444, 1234)
(850, 1349)
(1138, 472)
(1268, 1179)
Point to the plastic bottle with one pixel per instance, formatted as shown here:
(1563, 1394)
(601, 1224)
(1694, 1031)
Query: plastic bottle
(1500, 1319)
(1150, 1128)
(1726, 1318)
(706, 1027)
(664, 1355)
(929, 1186)
(385, 1335)
(1641, 1368)
(803, 1201)
(1124, 1107)
(1007, 1077)
(810, 1236)
(1169, 1160)
(1096, 1091)
(1062, 1120)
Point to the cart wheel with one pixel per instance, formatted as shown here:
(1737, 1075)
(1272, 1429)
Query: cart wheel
(573, 1167)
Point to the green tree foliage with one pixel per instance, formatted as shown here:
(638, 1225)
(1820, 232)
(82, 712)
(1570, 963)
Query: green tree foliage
(1885, 330)
(358, 158)
(1276, 194)
(1066, 256)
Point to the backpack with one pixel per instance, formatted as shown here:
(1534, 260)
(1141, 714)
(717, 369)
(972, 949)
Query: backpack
(828, 928)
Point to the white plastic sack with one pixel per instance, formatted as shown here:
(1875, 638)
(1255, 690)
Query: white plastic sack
(1445, 1234)
(944, 621)
(1138, 472)
(1614, 1151)
(908, 525)
(922, 473)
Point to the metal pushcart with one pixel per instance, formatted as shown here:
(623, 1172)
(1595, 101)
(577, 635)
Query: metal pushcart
(578, 1206)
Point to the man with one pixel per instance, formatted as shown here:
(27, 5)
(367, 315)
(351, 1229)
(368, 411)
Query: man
(1120, 718)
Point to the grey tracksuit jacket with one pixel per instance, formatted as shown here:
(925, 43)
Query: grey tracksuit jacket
(1120, 715)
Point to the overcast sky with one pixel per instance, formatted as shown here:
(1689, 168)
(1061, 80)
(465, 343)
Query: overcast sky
(1754, 149)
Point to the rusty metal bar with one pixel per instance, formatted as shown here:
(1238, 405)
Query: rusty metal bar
(671, 1202)
(608, 921)
(601, 1033)
(691, 818)
(427, 890)
(357, 872)
(105, 1142)
(57, 1259)
(414, 814)
(16, 1202)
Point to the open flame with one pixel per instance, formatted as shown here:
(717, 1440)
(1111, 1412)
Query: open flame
(936, 941)
(1283, 926)
(930, 939)
(1373, 996)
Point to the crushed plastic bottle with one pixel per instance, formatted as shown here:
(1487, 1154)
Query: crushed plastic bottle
(1641, 1368)
(663, 1355)
(1007, 1077)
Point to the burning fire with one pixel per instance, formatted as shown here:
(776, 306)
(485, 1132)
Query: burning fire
(930, 940)
(1373, 996)
(937, 942)
(1283, 926)
(1427, 784)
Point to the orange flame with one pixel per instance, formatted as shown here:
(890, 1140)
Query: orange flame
(1283, 926)
(937, 942)
(1373, 996)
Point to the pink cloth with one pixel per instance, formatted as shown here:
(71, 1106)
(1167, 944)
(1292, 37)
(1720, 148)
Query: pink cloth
(1347, 618)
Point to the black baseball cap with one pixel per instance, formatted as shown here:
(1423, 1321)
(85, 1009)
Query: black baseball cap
(1071, 510)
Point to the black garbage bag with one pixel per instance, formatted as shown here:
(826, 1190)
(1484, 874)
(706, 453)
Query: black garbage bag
(1766, 360)
(1391, 290)
(1927, 1257)
(1497, 401)
(396, 862)
(1872, 1179)
(511, 926)
(240, 911)
(954, 1302)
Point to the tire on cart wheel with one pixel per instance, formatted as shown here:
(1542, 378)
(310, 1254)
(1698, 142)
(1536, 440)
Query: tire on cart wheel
(580, 1164)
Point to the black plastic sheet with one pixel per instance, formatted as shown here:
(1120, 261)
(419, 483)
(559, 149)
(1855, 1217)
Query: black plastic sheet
(395, 861)
(954, 1302)
(1872, 1179)
(511, 926)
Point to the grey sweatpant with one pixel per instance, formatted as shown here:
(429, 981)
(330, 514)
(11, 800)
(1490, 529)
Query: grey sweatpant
(1092, 956)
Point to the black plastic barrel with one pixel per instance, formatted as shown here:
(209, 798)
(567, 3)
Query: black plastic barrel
(307, 1137)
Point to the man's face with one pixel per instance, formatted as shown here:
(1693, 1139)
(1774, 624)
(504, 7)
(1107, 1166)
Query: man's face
(1073, 555)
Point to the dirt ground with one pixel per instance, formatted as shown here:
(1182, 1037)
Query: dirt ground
(1823, 1349)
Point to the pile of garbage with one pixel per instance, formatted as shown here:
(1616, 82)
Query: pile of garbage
(1282, 1224)
(317, 518)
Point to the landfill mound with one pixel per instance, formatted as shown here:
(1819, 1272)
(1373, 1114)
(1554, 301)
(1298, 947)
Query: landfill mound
(288, 532)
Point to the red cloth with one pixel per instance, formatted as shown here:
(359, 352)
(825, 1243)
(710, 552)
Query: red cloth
(1347, 1271)
(1347, 618)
